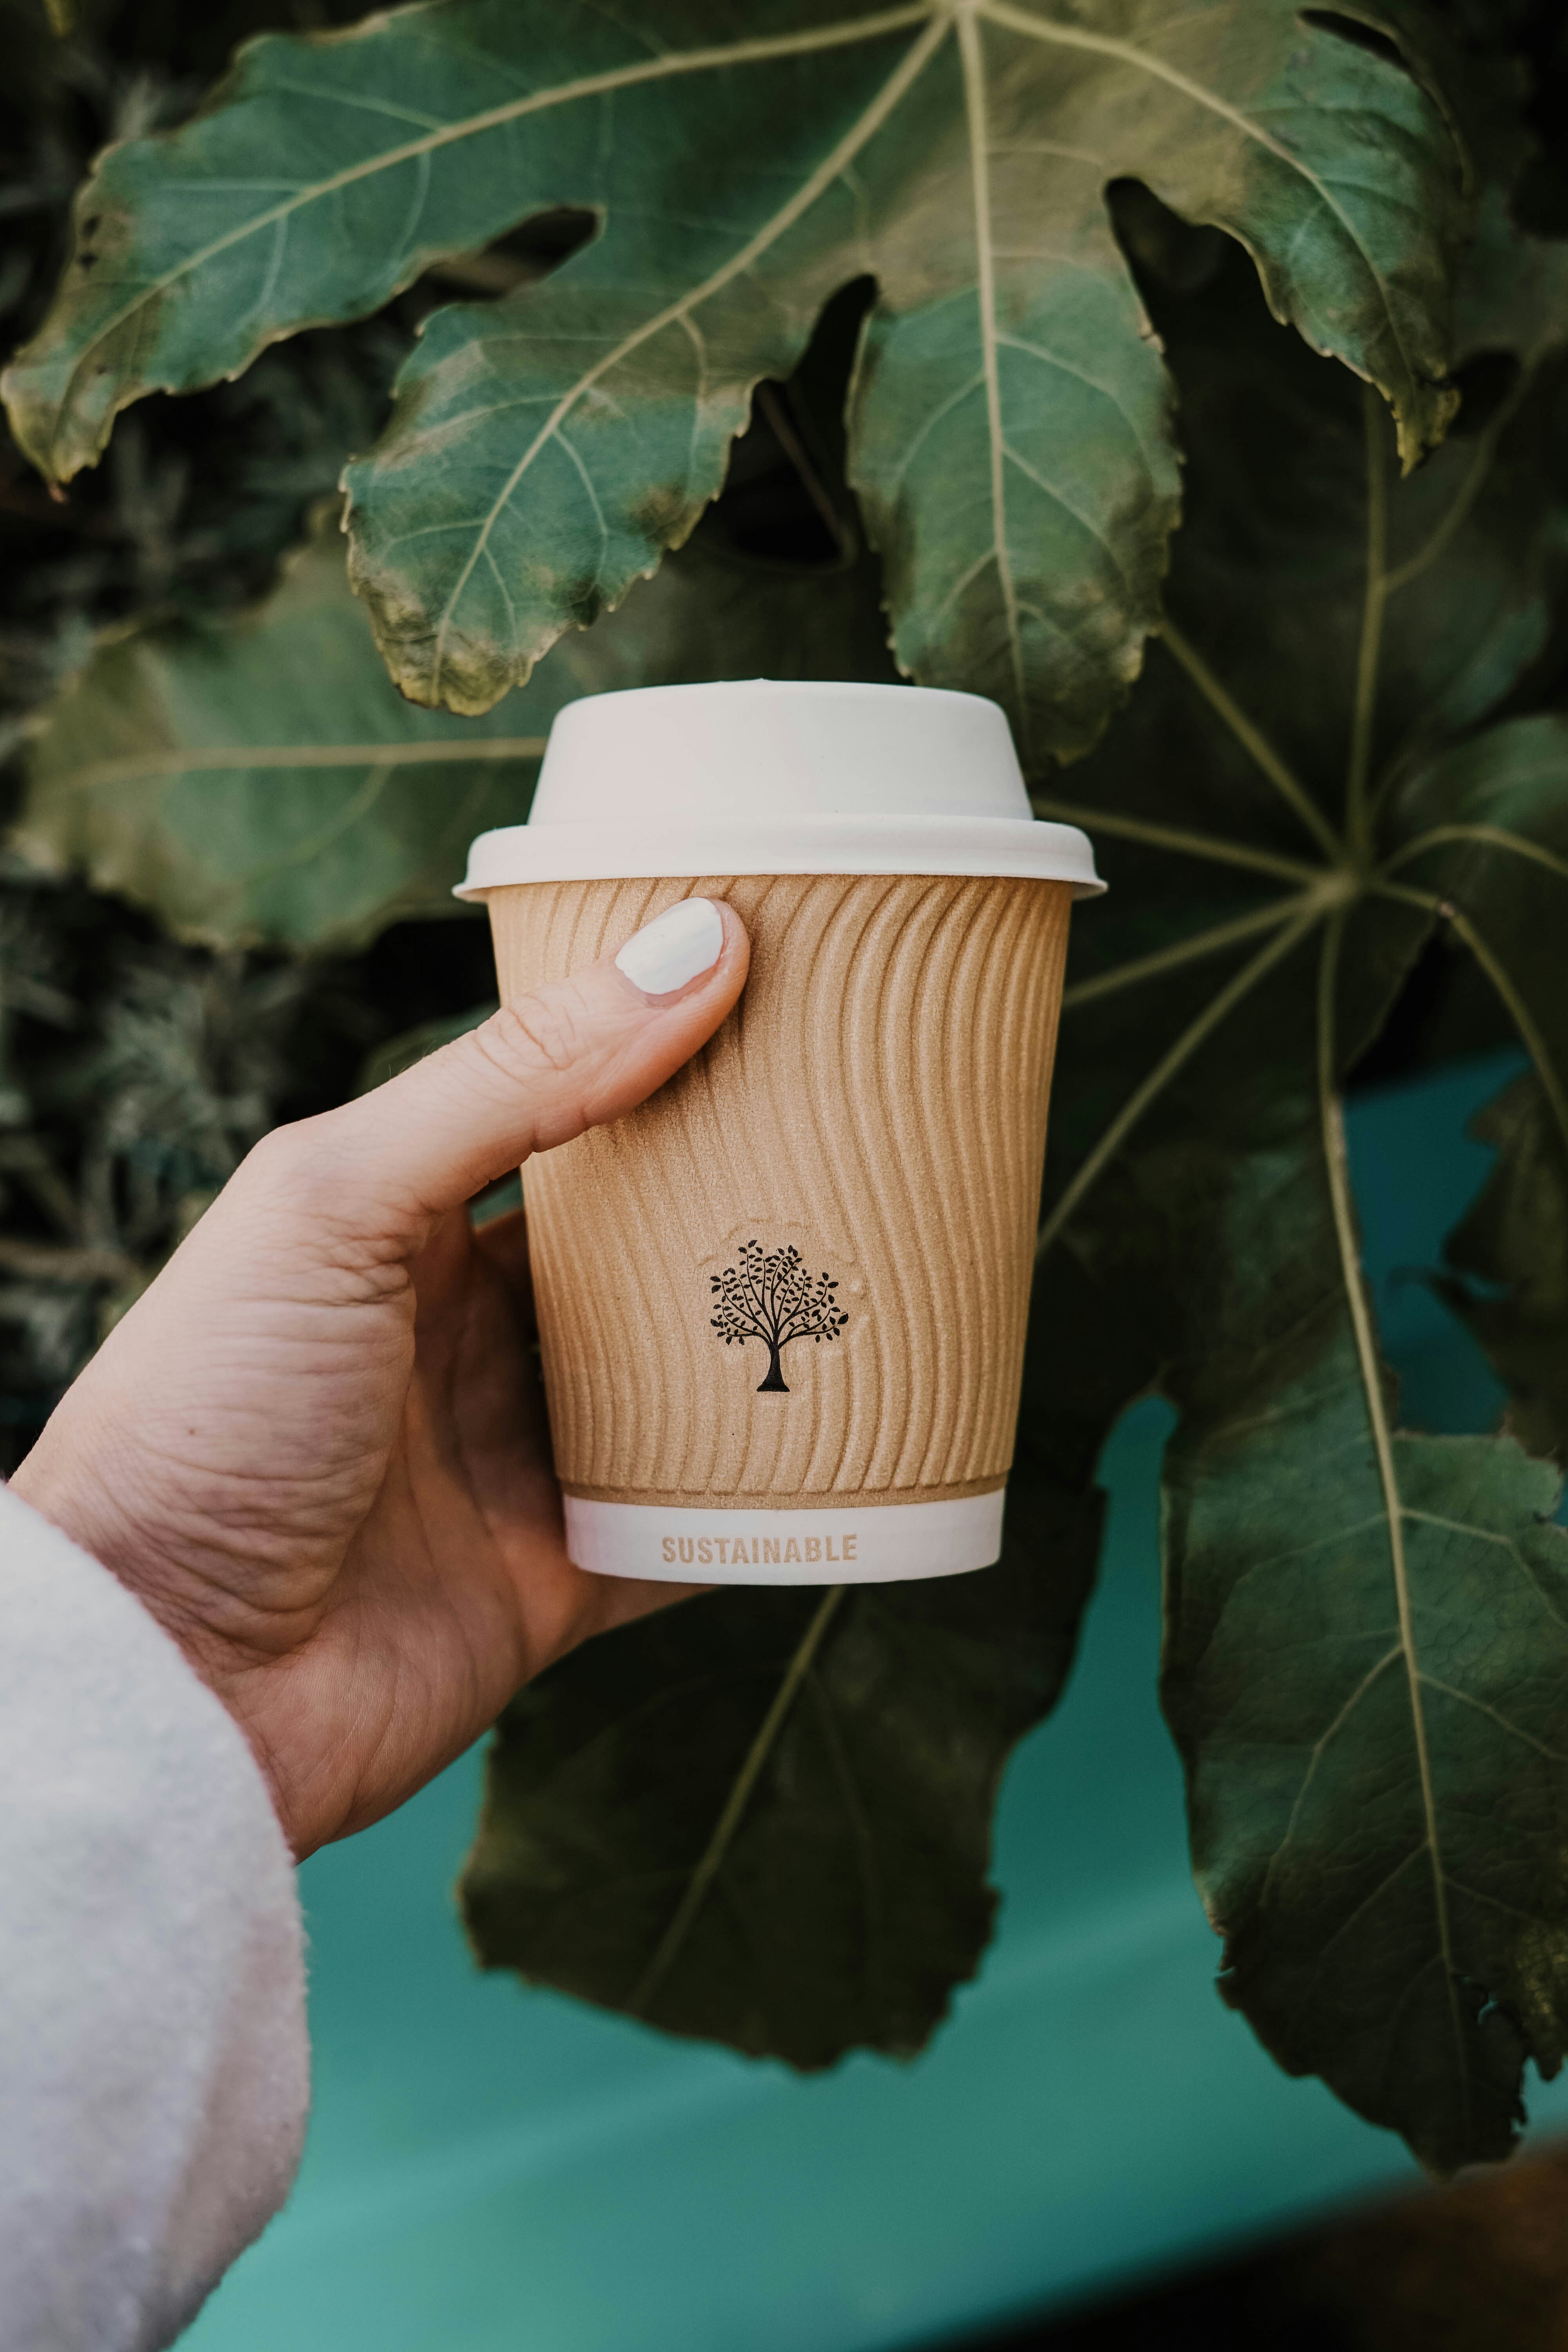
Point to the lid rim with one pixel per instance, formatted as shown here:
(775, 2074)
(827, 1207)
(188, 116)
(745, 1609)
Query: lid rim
(1007, 848)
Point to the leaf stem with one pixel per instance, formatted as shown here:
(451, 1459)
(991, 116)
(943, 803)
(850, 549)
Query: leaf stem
(1517, 1010)
(1437, 544)
(1494, 837)
(1204, 943)
(973, 57)
(775, 408)
(1363, 719)
(1239, 986)
(729, 1822)
(213, 758)
(1465, 497)
(1337, 1167)
(1168, 837)
(1253, 741)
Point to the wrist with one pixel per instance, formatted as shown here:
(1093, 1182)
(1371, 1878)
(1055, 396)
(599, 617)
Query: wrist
(54, 1481)
(71, 1499)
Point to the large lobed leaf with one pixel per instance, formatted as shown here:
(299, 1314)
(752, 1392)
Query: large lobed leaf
(766, 1816)
(1367, 1670)
(1363, 1662)
(259, 780)
(1010, 429)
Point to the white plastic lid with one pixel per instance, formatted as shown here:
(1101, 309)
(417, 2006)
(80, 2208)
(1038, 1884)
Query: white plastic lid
(779, 776)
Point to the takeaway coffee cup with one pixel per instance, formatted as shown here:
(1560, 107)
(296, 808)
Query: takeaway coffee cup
(782, 1305)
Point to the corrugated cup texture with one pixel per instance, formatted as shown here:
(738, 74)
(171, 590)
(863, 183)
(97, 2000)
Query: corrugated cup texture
(877, 1104)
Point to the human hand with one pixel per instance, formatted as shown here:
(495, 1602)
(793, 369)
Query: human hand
(316, 1448)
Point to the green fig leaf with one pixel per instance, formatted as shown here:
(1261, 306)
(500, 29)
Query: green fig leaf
(765, 1816)
(1366, 1670)
(1361, 1665)
(258, 780)
(1010, 432)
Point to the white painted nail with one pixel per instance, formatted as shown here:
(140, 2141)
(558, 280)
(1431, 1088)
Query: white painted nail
(687, 938)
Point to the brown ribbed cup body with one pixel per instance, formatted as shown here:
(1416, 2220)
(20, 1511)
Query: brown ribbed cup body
(877, 1102)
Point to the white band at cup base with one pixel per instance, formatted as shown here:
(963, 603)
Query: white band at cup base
(881, 1543)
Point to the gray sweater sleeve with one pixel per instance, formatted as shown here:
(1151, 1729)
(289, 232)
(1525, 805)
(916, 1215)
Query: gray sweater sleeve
(154, 2065)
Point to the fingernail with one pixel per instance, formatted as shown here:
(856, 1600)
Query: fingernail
(687, 938)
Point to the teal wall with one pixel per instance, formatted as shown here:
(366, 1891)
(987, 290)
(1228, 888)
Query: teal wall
(491, 2170)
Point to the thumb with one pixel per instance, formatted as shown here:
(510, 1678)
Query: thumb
(575, 1053)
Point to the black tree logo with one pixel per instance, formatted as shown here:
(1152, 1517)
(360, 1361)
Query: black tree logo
(770, 1296)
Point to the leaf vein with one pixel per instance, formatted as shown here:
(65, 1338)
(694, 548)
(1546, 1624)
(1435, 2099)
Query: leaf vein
(1337, 1173)
(1320, 1748)
(660, 68)
(873, 115)
(1481, 1706)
